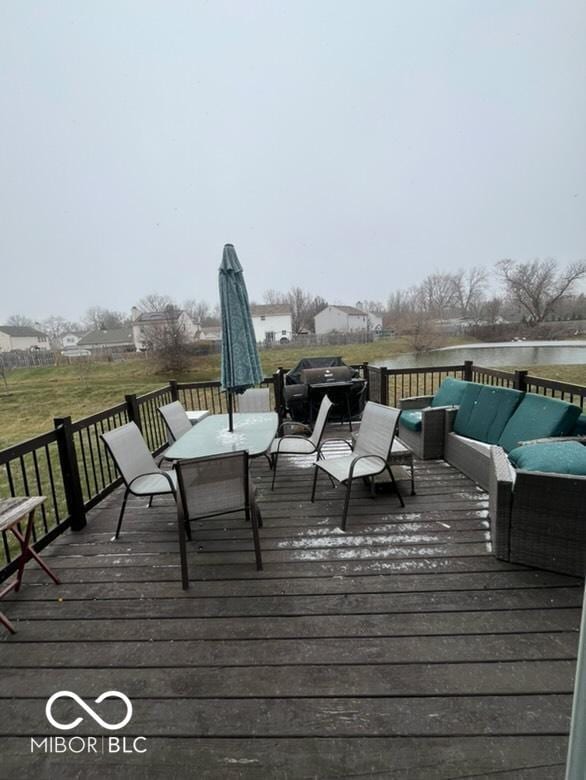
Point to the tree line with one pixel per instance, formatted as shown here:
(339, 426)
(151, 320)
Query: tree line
(533, 292)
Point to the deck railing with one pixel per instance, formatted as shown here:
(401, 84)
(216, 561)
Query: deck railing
(70, 466)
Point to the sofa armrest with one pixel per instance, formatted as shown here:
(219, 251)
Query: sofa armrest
(553, 440)
(500, 501)
(415, 402)
(451, 412)
(548, 528)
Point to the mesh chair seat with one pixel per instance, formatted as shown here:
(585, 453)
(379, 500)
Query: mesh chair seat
(291, 446)
(339, 468)
(150, 484)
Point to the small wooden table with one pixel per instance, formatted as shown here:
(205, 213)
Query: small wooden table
(12, 512)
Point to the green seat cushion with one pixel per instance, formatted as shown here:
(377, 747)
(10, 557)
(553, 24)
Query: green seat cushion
(411, 418)
(485, 411)
(450, 392)
(562, 457)
(580, 427)
(536, 417)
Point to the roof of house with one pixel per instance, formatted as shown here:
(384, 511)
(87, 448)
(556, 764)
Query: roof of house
(270, 309)
(351, 310)
(20, 330)
(112, 337)
(159, 316)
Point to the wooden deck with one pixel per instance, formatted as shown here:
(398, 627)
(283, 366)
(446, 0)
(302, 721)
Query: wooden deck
(401, 649)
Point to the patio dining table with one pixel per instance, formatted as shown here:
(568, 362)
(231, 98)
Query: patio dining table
(253, 432)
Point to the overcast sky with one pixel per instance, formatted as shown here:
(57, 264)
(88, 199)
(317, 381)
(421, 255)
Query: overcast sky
(348, 147)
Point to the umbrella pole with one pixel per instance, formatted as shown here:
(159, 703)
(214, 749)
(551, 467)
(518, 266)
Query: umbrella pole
(230, 415)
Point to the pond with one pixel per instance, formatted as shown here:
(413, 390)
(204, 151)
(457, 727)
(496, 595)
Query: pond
(518, 353)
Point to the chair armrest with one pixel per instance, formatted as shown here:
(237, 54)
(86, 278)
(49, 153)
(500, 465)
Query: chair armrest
(415, 402)
(362, 457)
(160, 473)
(500, 501)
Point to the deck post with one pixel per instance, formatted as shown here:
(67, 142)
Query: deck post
(365, 377)
(70, 472)
(133, 410)
(468, 372)
(384, 386)
(520, 380)
(174, 389)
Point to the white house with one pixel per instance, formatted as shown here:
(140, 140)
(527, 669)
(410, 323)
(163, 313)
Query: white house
(23, 338)
(272, 323)
(341, 319)
(375, 321)
(145, 325)
(70, 340)
(210, 333)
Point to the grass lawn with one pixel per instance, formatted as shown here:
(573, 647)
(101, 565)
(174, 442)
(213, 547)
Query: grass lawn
(37, 395)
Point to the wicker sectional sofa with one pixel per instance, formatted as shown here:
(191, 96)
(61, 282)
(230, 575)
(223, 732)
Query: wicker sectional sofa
(537, 512)
(538, 518)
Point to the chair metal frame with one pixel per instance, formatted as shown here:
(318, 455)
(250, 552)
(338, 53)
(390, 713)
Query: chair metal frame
(362, 455)
(317, 443)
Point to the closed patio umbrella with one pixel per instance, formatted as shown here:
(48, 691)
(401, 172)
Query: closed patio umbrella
(240, 363)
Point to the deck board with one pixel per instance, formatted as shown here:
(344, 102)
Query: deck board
(402, 648)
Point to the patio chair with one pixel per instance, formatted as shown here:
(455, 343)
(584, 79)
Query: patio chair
(176, 420)
(212, 487)
(372, 450)
(256, 399)
(137, 467)
(296, 444)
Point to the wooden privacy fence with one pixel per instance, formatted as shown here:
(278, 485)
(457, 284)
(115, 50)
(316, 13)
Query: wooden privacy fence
(70, 466)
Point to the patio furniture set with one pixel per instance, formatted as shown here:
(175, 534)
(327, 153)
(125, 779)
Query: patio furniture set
(526, 450)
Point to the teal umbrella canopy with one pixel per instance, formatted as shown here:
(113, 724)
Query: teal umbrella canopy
(240, 362)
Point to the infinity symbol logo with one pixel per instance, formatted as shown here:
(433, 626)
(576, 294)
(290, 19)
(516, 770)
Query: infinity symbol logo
(104, 724)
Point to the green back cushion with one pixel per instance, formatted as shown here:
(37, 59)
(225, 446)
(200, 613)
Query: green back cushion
(580, 427)
(536, 417)
(411, 418)
(485, 410)
(563, 457)
(450, 392)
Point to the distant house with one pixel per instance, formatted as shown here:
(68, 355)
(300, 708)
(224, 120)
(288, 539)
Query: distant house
(146, 324)
(341, 319)
(70, 340)
(13, 337)
(210, 333)
(116, 339)
(272, 323)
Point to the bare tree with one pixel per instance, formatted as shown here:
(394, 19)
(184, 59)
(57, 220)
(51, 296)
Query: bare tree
(538, 286)
(469, 290)
(155, 302)
(436, 294)
(98, 318)
(20, 321)
(199, 311)
(168, 340)
(56, 327)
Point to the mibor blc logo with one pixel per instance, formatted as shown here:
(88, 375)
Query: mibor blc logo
(92, 744)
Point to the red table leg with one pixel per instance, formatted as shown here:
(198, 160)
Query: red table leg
(27, 553)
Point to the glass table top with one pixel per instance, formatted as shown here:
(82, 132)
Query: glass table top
(253, 432)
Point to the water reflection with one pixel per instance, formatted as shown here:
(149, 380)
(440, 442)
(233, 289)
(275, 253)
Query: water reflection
(526, 353)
